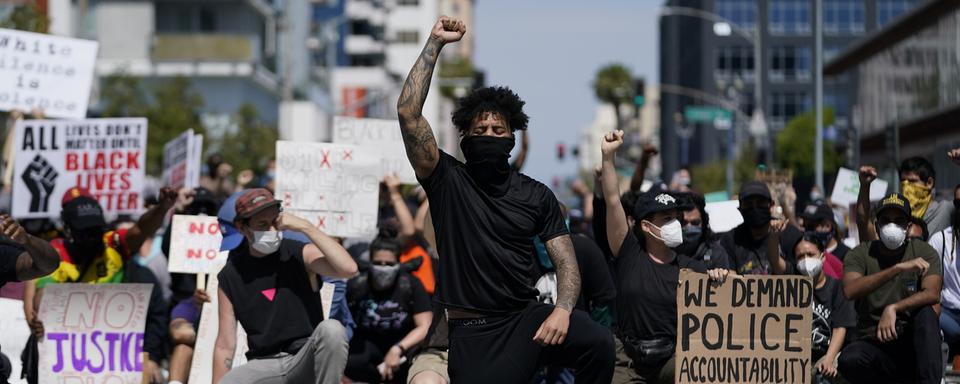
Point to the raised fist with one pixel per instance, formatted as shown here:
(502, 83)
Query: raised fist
(448, 30)
(611, 141)
(954, 155)
(867, 175)
(40, 178)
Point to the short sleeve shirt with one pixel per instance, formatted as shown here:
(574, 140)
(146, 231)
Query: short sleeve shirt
(486, 256)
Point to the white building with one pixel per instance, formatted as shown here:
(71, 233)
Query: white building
(234, 51)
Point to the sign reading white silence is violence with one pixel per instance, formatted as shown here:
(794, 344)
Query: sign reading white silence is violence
(105, 156)
(45, 72)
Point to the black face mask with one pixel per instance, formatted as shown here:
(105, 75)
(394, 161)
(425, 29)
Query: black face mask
(85, 246)
(691, 240)
(756, 217)
(488, 161)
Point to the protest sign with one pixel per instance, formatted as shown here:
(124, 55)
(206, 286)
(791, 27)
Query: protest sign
(50, 73)
(847, 188)
(754, 329)
(385, 136)
(13, 335)
(93, 333)
(181, 161)
(105, 156)
(334, 186)
(195, 245)
(724, 215)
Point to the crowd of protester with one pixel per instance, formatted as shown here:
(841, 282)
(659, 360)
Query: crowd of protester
(886, 300)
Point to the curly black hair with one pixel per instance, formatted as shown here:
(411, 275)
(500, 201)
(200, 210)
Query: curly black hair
(499, 100)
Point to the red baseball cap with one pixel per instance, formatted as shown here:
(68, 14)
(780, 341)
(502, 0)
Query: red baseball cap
(252, 201)
(74, 193)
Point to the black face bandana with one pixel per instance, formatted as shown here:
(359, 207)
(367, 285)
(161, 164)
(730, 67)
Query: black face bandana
(756, 217)
(488, 161)
(85, 246)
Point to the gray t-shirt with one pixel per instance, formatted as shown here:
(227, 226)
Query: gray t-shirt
(938, 215)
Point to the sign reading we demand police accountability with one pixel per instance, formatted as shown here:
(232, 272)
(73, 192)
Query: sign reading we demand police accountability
(751, 329)
(105, 156)
(46, 72)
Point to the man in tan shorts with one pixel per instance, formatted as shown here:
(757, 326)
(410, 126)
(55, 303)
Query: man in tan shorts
(430, 366)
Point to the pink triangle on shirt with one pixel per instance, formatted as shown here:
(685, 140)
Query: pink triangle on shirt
(269, 293)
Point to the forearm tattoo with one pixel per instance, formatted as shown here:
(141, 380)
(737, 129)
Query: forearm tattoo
(417, 135)
(561, 253)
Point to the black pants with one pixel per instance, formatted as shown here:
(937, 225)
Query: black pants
(501, 350)
(363, 359)
(914, 357)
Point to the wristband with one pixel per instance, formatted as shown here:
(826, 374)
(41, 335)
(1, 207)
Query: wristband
(403, 351)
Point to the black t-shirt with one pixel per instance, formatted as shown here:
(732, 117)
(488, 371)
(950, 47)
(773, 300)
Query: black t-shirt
(9, 253)
(272, 298)
(712, 255)
(486, 262)
(840, 251)
(596, 282)
(830, 310)
(748, 256)
(384, 318)
(647, 291)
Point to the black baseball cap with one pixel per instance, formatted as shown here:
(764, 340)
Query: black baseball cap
(754, 188)
(894, 201)
(650, 203)
(80, 210)
(817, 211)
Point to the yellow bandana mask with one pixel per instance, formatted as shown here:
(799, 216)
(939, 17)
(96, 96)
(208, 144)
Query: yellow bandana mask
(919, 197)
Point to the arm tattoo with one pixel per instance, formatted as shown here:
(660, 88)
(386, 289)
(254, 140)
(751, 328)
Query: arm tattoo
(561, 253)
(228, 362)
(417, 135)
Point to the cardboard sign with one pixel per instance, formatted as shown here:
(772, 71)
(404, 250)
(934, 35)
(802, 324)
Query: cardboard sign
(755, 329)
(385, 136)
(724, 215)
(847, 188)
(106, 156)
(13, 335)
(334, 186)
(46, 72)
(181, 161)
(93, 333)
(195, 245)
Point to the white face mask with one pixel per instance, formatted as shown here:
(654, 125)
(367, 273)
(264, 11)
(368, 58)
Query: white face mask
(892, 236)
(670, 233)
(810, 266)
(266, 242)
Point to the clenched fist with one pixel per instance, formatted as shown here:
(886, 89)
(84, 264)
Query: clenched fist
(448, 30)
(611, 141)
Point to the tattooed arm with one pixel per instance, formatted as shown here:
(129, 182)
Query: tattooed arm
(554, 329)
(561, 253)
(417, 135)
(226, 343)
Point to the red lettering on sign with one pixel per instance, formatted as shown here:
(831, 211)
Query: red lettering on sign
(347, 155)
(326, 159)
(322, 220)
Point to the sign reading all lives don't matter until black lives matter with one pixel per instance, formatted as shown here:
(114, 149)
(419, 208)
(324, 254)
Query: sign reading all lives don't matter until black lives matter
(105, 156)
(751, 329)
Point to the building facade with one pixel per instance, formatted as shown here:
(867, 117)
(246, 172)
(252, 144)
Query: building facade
(908, 99)
(701, 60)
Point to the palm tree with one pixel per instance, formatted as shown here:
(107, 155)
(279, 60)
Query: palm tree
(614, 85)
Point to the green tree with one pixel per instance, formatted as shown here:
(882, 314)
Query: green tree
(614, 84)
(252, 143)
(795, 145)
(27, 18)
(175, 107)
(712, 177)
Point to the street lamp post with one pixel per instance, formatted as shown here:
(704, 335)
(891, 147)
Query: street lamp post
(732, 91)
(818, 94)
(723, 27)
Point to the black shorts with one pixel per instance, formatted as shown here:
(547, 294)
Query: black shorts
(501, 349)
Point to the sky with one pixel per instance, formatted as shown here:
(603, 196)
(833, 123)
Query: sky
(549, 51)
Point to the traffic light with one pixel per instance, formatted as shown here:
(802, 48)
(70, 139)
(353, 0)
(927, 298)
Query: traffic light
(561, 151)
(639, 98)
